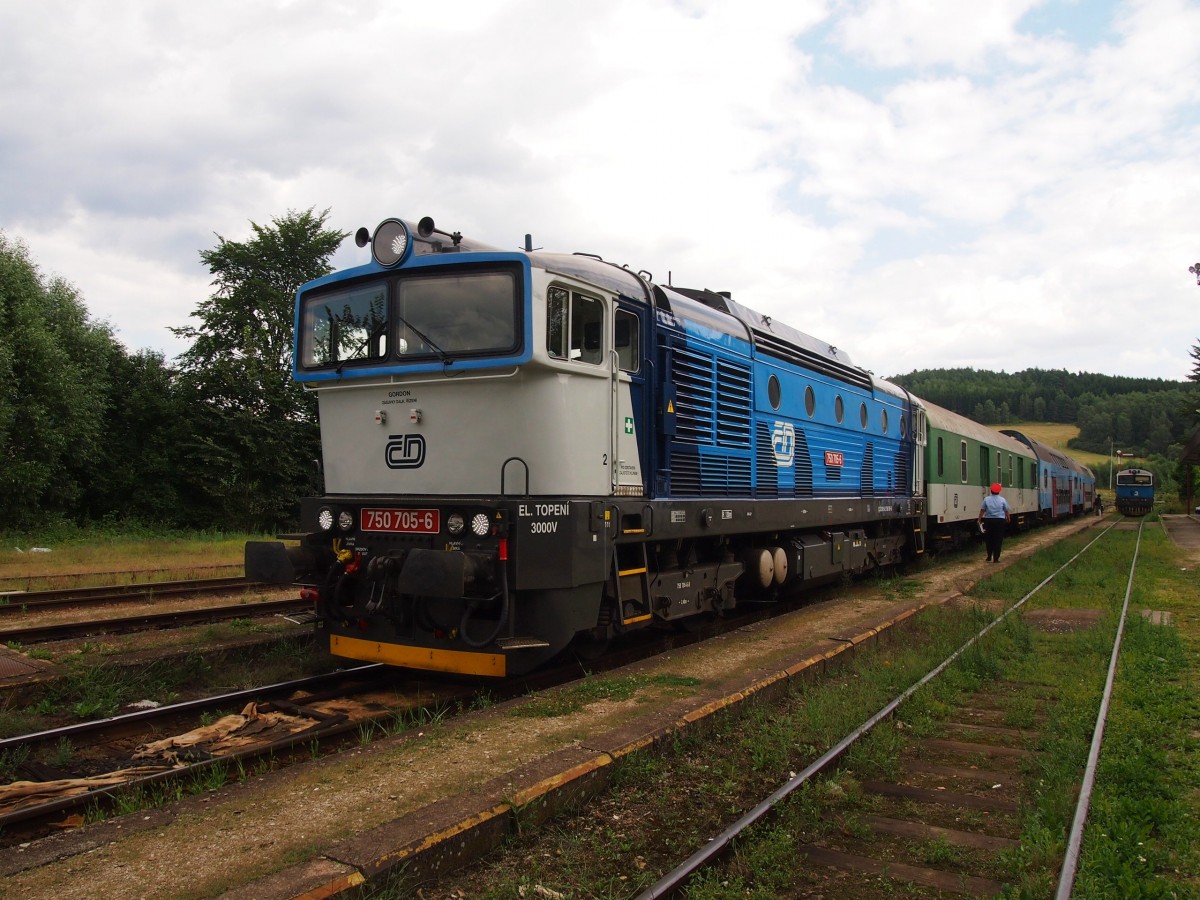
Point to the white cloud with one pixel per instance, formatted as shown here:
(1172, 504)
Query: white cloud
(922, 33)
(902, 178)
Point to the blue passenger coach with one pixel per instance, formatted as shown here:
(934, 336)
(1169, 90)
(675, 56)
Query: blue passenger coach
(1065, 486)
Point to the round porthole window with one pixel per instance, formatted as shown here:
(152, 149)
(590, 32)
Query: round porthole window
(839, 409)
(810, 401)
(862, 415)
(883, 420)
(774, 392)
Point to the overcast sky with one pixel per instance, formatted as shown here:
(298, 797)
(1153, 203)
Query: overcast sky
(1000, 184)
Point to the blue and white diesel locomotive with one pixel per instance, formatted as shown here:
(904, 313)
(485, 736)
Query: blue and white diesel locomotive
(527, 450)
(522, 449)
(1135, 492)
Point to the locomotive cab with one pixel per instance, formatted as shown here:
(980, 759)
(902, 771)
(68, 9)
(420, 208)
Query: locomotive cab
(466, 462)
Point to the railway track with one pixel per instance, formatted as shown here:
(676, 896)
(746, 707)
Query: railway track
(14, 603)
(104, 753)
(972, 774)
(59, 631)
(403, 748)
(99, 600)
(325, 711)
(128, 577)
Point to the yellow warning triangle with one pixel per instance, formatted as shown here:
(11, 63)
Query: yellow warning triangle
(670, 406)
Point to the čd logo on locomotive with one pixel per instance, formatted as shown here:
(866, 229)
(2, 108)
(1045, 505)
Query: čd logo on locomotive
(405, 451)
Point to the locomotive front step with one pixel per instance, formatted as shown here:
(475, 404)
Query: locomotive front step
(521, 643)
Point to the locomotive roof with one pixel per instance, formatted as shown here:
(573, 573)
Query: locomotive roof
(618, 279)
(768, 335)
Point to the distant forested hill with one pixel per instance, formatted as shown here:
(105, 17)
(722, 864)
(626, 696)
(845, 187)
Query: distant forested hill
(1145, 415)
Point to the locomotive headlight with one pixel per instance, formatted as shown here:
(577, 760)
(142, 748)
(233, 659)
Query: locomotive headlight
(480, 525)
(391, 243)
(325, 518)
(345, 520)
(455, 523)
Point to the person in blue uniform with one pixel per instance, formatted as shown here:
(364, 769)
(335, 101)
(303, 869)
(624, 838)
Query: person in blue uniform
(994, 515)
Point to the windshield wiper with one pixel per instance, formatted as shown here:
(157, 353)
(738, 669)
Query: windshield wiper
(379, 330)
(442, 354)
(445, 357)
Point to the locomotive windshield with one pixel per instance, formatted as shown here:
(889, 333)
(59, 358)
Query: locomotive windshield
(412, 317)
(1135, 478)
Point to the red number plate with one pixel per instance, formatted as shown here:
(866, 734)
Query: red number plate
(834, 458)
(412, 521)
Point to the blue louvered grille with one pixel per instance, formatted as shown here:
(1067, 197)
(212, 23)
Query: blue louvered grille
(804, 469)
(866, 478)
(712, 400)
(727, 476)
(694, 398)
(712, 414)
(768, 470)
(902, 474)
(685, 475)
(733, 404)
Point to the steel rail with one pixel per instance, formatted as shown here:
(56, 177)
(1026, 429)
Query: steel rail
(35, 634)
(674, 880)
(12, 602)
(322, 728)
(8, 584)
(1070, 867)
(187, 706)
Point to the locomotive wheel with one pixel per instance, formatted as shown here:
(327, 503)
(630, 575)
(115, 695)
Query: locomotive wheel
(588, 647)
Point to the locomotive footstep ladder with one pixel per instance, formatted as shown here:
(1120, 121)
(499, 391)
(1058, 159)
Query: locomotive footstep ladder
(632, 581)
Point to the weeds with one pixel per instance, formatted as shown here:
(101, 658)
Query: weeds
(208, 778)
(64, 750)
(613, 689)
(11, 761)
(88, 689)
(108, 556)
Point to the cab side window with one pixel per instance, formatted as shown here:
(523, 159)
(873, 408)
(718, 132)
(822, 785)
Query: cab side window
(627, 340)
(574, 326)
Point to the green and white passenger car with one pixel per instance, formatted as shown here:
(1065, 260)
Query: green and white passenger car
(963, 460)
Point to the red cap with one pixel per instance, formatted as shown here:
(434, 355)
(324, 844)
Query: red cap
(996, 488)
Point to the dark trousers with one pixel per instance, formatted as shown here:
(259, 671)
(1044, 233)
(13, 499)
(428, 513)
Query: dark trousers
(993, 535)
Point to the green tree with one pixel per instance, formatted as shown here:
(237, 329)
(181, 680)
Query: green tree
(55, 371)
(251, 453)
(137, 480)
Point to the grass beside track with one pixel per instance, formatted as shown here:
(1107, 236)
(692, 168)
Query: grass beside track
(95, 688)
(1142, 839)
(86, 558)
